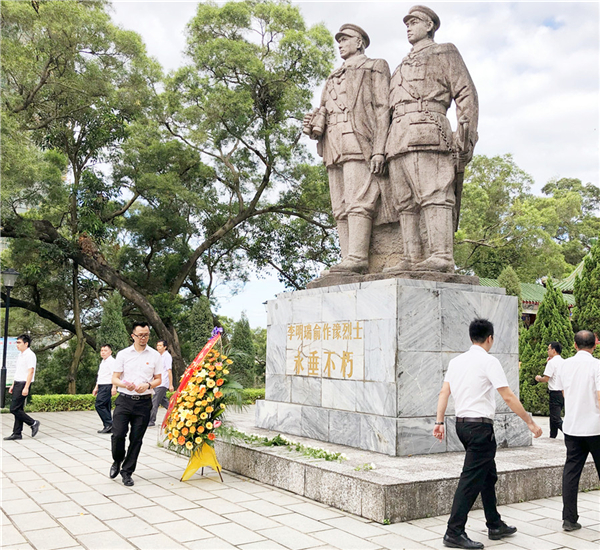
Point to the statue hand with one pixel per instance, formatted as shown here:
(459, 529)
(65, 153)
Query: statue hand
(377, 164)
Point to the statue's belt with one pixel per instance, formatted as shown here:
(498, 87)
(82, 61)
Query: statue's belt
(401, 109)
(337, 118)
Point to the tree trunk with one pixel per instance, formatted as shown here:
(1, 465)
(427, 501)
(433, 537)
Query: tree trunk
(72, 378)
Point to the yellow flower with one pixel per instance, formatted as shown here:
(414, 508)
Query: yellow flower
(189, 445)
(219, 367)
(209, 409)
(209, 425)
(194, 418)
(225, 371)
(210, 399)
(192, 429)
(198, 440)
(196, 410)
(188, 423)
(175, 433)
(229, 361)
(222, 405)
(180, 425)
(210, 384)
(203, 416)
(204, 403)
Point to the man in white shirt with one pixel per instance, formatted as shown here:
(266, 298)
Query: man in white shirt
(471, 379)
(160, 393)
(557, 401)
(24, 377)
(137, 371)
(105, 389)
(579, 379)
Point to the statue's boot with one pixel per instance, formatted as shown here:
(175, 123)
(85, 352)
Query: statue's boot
(411, 239)
(440, 235)
(342, 228)
(359, 240)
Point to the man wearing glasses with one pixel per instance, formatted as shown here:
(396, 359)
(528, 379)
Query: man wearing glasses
(137, 371)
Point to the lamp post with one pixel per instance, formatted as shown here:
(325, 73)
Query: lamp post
(9, 278)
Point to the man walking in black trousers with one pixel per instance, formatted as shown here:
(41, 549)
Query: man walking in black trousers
(104, 389)
(579, 379)
(24, 377)
(471, 379)
(557, 401)
(136, 372)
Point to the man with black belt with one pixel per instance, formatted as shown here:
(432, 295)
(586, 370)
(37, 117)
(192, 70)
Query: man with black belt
(579, 379)
(105, 389)
(557, 401)
(471, 379)
(160, 393)
(138, 369)
(24, 377)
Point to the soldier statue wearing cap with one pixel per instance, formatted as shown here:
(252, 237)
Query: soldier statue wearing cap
(426, 159)
(351, 127)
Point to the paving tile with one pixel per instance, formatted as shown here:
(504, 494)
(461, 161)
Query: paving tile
(131, 500)
(108, 541)
(63, 509)
(174, 503)
(569, 541)
(354, 527)
(394, 542)
(203, 517)
(234, 534)
(233, 495)
(133, 527)
(10, 536)
(302, 523)
(532, 543)
(46, 497)
(89, 498)
(276, 497)
(108, 511)
(51, 539)
(156, 542)
(252, 520)
(345, 541)
(411, 532)
(183, 531)
(210, 544)
(266, 509)
(155, 514)
(313, 511)
(12, 493)
(80, 525)
(263, 545)
(221, 507)
(20, 506)
(33, 521)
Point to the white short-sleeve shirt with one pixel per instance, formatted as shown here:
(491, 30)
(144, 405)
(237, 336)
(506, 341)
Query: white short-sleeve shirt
(551, 370)
(473, 377)
(25, 360)
(138, 367)
(105, 371)
(579, 378)
(167, 366)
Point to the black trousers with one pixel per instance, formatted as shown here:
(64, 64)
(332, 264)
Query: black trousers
(557, 402)
(578, 449)
(17, 408)
(103, 404)
(159, 398)
(478, 476)
(134, 413)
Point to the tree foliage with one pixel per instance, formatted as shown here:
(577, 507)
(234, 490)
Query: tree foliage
(552, 324)
(243, 352)
(112, 329)
(586, 313)
(510, 281)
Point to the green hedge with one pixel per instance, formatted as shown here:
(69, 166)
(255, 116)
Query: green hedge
(85, 402)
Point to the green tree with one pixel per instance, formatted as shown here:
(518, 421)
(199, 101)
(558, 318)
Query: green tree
(112, 329)
(510, 281)
(243, 352)
(201, 325)
(552, 324)
(586, 313)
(259, 336)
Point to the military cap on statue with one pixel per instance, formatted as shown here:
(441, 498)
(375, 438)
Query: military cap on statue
(353, 30)
(424, 13)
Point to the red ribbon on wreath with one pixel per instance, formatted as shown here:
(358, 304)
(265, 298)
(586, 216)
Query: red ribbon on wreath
(191, 370)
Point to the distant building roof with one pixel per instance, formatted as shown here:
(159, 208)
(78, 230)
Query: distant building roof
(530, 292)
(567, 285)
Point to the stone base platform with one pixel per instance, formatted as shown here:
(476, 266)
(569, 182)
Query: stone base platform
(334, 279)
(397, 488)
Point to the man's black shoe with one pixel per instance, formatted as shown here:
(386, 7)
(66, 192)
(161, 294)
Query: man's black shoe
(114, 470)
(127, 481)
(151, 424)
(462, 541)
(35, 428)
(571, 525)
(105, 430)
(502, 531)
(11, 437)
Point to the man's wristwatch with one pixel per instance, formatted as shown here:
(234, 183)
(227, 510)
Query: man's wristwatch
(439, 423)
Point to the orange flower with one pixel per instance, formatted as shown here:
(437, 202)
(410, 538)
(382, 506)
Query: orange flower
(184, 431)
(212, 374)
(220, 382)
(209, 409)
(204, 403)
(181, 440)
(200, 429)
(211, 437)
(170, 436)
(193, 429)
(219, 367)
(218, 394)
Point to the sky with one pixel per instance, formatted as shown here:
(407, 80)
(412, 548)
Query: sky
(536, 66)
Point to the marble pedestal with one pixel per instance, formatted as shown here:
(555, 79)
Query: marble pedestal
(362, 364)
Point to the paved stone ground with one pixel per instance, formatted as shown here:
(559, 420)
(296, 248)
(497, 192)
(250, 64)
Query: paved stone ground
(56, 494)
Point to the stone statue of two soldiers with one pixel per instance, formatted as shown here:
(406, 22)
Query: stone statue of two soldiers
(369, 124)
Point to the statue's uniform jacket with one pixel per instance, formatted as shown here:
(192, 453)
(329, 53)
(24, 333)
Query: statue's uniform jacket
(428, 79)
(355, 98)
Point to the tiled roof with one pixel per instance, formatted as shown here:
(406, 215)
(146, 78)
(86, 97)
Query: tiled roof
(530, 292)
